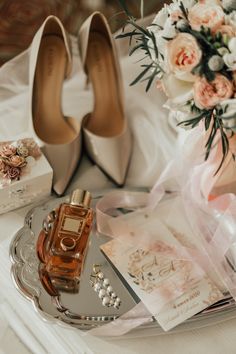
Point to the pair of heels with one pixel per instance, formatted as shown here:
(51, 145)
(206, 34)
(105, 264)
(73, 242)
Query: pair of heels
(106, 134)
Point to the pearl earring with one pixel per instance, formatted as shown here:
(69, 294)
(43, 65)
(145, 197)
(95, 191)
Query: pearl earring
(102, 287)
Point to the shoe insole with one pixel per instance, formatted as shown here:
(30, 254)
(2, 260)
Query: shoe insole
(49, 122)
(107, 118)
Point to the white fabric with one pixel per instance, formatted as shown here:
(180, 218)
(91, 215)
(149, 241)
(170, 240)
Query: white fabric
(154, 144)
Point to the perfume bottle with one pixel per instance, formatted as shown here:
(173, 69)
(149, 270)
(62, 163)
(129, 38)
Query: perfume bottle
(65, 248)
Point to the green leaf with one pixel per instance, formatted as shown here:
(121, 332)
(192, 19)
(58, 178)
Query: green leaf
(193, 120)
(207, 122)
(139, 45)
(155, 44)
(145, 57)
(150, 81)
(141, 29)
(126, 34)
(210, 140)
(167, 38)
(184, 11)
(210, 75)
(140, 76)
(155, 24)
(226, 107)
(151, 78)
(225, 149)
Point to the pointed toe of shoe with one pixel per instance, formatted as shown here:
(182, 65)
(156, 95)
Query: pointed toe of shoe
(111, 154)
(63, 160)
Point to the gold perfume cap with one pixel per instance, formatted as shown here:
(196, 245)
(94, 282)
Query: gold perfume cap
(80, 197)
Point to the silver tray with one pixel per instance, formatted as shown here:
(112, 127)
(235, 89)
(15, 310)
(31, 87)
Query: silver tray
(84, 309)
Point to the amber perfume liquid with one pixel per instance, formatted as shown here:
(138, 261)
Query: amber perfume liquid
(68, 241)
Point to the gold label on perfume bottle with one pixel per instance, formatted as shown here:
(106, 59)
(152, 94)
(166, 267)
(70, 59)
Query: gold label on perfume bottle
(72, 225)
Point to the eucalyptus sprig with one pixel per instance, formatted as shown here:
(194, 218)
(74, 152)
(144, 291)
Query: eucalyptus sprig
(142, 38)
(212, 120)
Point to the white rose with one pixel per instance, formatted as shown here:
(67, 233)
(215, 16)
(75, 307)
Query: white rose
(178, 91)
(229, 118)
(169, 29)
(173, 7)
(231, 19)
(160, 19)
(230, 60)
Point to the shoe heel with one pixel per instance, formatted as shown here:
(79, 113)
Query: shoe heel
(106, 133)
(50, 63)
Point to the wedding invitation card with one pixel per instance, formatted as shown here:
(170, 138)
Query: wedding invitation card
(156, 261)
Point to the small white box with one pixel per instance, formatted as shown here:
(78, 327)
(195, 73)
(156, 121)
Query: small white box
(34, 184)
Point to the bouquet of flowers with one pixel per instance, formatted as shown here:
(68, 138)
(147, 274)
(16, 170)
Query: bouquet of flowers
(191, 46)
(15, 156)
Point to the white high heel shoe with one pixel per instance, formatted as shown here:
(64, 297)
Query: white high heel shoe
(106, 133)
(58, 136)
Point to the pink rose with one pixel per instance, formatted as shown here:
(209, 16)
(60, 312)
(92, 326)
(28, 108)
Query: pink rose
(227, 30)
(211, 16)
(16, 161)
(31, 146)
(13, 173)
(2, 166)
(183, 53)
(209, 94)
(22, 150)
(7, 150)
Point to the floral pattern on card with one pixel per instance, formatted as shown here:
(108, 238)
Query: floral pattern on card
(159, 269)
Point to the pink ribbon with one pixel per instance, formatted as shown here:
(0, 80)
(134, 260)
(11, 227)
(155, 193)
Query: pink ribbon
(194, 180)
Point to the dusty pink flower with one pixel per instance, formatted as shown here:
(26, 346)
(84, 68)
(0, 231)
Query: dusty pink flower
(7, 150)
(227, 30)
(31, 146)
(209, 94)
(13, 173)
(22, 150)
(16, 161)
(206, 15)
(183, 53)
(2, 166)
